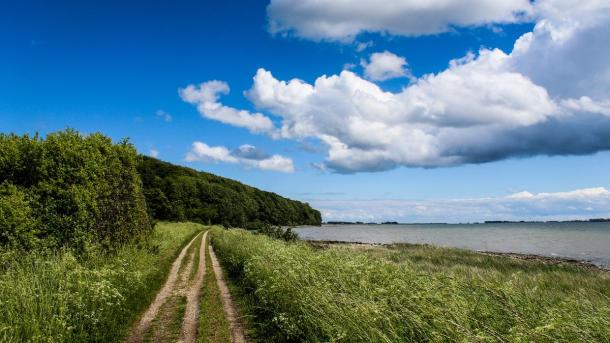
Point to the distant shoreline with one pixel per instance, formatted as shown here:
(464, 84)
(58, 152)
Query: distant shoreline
(551, 260)
(590, 220)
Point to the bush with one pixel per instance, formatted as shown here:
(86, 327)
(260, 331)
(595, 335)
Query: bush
(17, 224)
(74, 189)
(276, 232)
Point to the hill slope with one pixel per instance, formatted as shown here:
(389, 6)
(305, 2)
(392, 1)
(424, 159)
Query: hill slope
(178, 193)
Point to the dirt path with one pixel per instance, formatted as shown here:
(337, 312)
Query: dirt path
(174, 314)
(138, 332)
(237, 330)
(191, 314)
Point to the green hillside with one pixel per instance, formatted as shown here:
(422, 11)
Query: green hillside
(178, 193)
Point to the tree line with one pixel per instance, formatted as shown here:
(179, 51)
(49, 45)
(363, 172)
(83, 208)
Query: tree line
(73, 190)
(178, 193)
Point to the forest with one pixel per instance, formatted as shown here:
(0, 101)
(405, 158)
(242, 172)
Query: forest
(175, 193)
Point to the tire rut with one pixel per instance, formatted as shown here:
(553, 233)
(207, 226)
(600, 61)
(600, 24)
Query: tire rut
(190, 322)
(235, 325)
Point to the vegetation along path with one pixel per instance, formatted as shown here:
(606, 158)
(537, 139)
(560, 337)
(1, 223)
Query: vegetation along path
(174, 315)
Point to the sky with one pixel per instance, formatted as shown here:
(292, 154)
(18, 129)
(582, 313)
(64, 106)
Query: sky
(414, 111)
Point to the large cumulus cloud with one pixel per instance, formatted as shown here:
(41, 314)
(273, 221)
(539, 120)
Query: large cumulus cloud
(549, 96)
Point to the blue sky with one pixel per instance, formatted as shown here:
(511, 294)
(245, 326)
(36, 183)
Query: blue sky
(122, 69)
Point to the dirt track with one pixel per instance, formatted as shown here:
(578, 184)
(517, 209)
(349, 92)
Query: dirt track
(191, 314)
(156, 322)
(137, 333)
(237, 330)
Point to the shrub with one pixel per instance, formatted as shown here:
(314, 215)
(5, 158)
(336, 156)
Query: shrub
(276, 232)
(75, 189)
(17, 224)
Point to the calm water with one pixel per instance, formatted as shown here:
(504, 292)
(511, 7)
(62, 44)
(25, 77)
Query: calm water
(583, 241)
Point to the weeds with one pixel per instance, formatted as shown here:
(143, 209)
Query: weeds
(59, 298)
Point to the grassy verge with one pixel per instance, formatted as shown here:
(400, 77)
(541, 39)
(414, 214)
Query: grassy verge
(213, 325)
(58, 298)
(411, 294)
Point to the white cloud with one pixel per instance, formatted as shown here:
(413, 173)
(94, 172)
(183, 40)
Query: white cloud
(577, 204)
(245, 155)
(384, 66)
(568, 50)
(343, 20)
(454, 117)
(204, 153)
(549, 96)
(579, 194)
(164, 116)
(206, 95)
(275, 162)
(153, 153)
(361, 46)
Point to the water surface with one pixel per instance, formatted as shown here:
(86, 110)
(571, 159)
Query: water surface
(582, 241)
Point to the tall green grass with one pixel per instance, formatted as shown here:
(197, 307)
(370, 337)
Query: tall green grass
(59, 298)
(341, 294)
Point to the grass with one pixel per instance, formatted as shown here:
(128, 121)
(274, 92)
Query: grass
(213, 325)
(168, 324)
(193, 249)
(61, 298)
(342, 293)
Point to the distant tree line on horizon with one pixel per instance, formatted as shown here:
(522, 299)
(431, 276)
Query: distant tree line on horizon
(69, 190)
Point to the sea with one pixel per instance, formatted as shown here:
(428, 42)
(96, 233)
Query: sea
(585, 241)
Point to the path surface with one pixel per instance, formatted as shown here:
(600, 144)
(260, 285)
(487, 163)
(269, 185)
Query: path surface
(191, 314)
(137, 333)
(237, 330)
(156, 323)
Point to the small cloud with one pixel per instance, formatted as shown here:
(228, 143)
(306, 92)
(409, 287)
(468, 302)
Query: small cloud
(250, 152)
(349, 66)
(384, 66)
(319, 166)
(201, 152)
(497, 29)
(361, 46)
(206, 95)
(164, 116)
(246, 155)
(521, 195)
(153, 153)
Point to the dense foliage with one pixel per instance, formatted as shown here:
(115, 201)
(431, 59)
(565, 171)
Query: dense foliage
(57, 297)
(69, 190)
(297, 293)
(178, 194)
